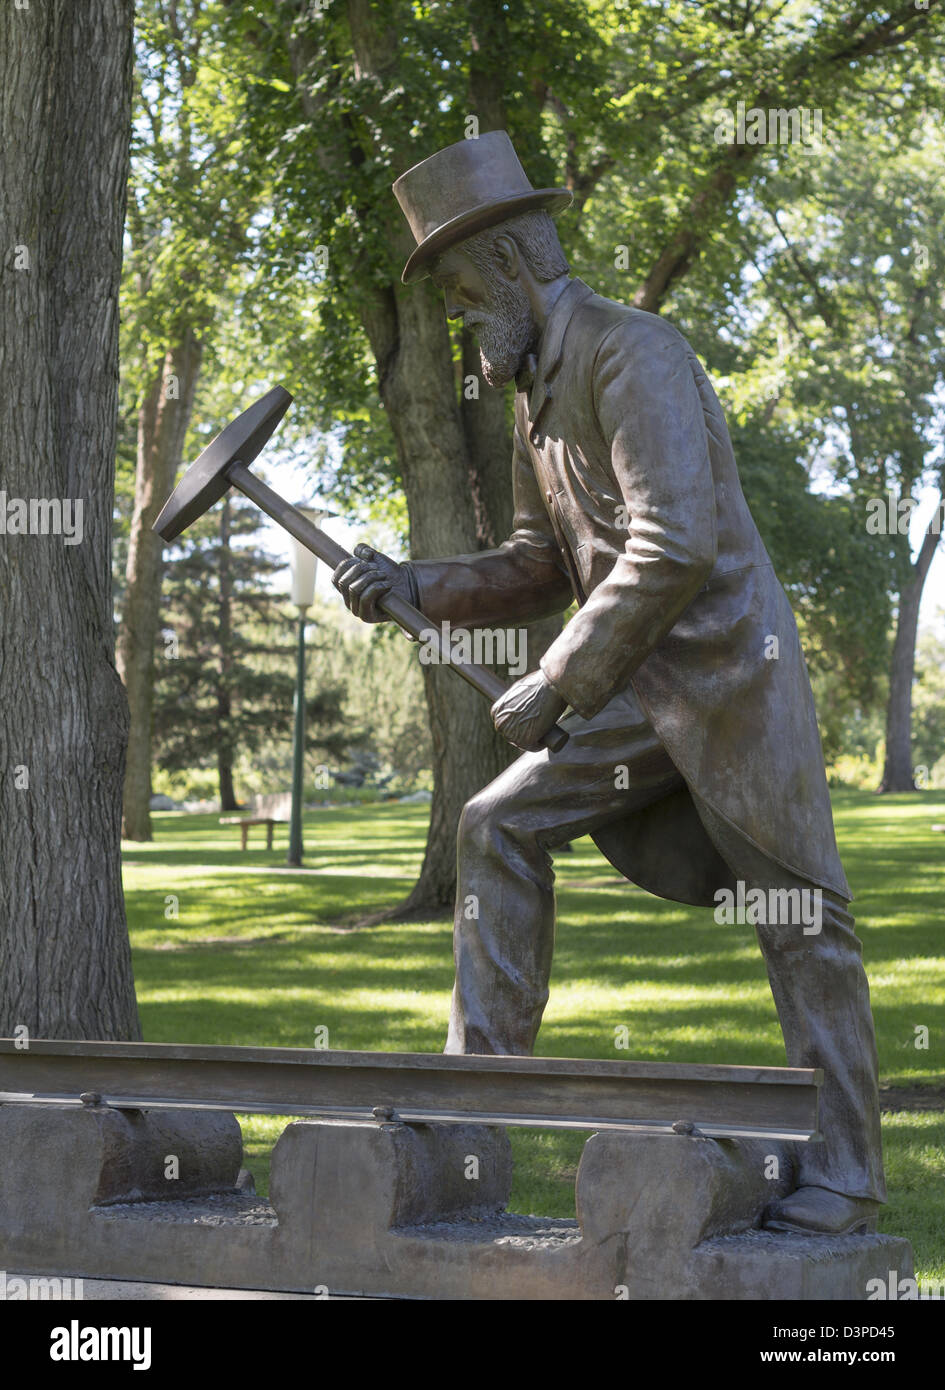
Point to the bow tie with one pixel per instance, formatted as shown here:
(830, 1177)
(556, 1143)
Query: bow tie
(525, 377)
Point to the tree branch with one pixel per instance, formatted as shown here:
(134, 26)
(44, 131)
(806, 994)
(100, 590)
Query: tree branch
(695, 224)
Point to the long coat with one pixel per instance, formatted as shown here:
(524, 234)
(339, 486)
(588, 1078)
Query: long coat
(628, 498)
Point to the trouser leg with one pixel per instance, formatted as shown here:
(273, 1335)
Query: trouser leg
(823, 1001)
(505, 914)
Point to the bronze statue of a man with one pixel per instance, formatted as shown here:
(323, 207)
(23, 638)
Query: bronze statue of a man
(694, 758)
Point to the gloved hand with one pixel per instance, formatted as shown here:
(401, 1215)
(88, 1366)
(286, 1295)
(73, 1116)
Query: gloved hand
(527, 710)
(365, 579)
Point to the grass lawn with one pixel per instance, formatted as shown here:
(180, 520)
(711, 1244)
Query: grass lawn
(260, 955)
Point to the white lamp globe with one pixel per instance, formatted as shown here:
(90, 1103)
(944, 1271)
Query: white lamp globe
(302, 562)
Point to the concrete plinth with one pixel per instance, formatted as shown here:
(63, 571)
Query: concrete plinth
(411, 1211)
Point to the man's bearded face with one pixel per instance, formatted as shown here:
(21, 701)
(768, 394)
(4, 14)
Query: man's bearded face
(504, 326)
(495, 307)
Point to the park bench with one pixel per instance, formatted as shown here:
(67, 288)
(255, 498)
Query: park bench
(269, 811)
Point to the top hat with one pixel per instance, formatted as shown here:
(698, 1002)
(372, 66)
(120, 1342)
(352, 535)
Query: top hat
(463, 189)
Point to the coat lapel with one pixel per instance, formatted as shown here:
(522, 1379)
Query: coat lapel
(549, 352)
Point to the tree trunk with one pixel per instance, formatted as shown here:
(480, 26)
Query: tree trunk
(409, 338)
(420, 397)
(162, 426)
(65, 112)
(898, 772)
(228, 800)
(489, 442)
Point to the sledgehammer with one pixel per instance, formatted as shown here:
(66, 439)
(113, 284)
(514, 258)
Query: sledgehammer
(225, 463)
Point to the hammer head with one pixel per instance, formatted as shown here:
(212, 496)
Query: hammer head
(206, 481)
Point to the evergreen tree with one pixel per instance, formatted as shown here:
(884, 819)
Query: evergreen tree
(226, 684)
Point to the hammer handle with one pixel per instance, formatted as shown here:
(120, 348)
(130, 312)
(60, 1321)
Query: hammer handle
(403, 613)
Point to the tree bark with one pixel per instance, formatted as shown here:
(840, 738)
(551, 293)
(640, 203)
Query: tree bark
(65, 112)
(419, 394)
(898, 772)
(228, 800)
(163, 420)
(489, 444)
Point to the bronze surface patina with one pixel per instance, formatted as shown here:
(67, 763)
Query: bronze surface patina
(694, 758)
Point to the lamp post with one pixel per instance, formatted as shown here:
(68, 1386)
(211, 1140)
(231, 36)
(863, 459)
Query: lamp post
(302, 565)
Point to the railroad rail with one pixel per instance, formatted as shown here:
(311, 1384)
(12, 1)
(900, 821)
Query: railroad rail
(536, 1092)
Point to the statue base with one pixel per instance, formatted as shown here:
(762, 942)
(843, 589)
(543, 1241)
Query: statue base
(407, 1211)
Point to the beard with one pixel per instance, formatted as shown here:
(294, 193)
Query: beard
(506, 333)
